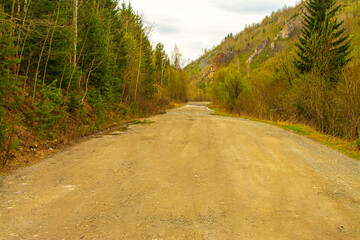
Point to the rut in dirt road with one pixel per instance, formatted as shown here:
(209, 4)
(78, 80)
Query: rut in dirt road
(188, 175)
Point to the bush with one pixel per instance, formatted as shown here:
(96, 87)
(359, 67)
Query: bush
(48, 110)
(229, 84)
(73, 103)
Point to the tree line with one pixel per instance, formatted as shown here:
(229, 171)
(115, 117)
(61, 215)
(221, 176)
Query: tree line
(66, 65)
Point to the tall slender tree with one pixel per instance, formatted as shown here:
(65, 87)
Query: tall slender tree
(324, 47)
(75, 26)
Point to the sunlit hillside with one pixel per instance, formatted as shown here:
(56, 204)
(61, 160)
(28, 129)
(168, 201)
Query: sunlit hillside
(268, 86)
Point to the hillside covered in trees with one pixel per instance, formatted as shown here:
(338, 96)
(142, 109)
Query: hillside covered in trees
(70, 68)
(300, 64)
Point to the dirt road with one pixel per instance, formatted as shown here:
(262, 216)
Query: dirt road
(188, 175)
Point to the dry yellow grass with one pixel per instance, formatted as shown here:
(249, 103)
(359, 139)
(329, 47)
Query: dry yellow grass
(349, 148)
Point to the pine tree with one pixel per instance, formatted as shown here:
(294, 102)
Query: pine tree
(324, 45)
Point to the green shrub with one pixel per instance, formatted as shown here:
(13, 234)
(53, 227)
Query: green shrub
(73, 103)
(137, 121)
(48, 110)
(15, 143)
(229, 84)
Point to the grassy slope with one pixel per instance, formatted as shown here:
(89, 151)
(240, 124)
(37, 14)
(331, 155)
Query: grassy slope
(201, 65)
(248, 39)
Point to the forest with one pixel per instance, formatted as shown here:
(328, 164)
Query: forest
(300, 65)
(71, 68)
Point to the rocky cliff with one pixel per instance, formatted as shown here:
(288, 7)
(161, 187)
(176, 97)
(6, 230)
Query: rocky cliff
(219, 59)
(259, 49)
(292, 27)
(272, 36)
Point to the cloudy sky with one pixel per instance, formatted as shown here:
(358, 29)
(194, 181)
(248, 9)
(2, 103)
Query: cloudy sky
(198, 24)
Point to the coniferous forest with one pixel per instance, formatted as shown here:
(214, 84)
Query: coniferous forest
(70, 68)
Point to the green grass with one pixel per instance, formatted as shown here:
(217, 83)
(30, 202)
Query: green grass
(348, 148)
(262, 57)
(298, 129)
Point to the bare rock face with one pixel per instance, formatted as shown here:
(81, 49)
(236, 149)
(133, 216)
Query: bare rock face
(291, 28)
(219, 59)
(273, 45)
(259, 49)
(206, 62)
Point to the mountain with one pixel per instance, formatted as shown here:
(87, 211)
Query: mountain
(261, 42)
(252, 73)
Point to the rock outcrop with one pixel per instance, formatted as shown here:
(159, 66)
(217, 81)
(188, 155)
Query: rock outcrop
(291, 28)
(219, 59)
(259, 49)
(206, 61)
(273, 45)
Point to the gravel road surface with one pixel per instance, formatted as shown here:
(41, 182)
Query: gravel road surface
(188, 175)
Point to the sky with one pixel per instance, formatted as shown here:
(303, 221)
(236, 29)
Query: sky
(195, 25)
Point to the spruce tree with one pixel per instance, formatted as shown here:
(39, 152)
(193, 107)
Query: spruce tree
(324, 45)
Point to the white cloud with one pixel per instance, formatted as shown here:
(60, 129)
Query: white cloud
(198, 24)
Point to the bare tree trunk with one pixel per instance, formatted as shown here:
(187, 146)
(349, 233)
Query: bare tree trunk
(162, 72)
(69, 84)
(87, 80)
(11, 18)
(27, 70)
(62, 76)
(51, 38)
(80, 56)
(88, 77)
(83, 45)
(24, 18)
(75, 25)
(26, 7)
(161, 79)
(38, 65)
(123, 91)
(138, 74)
(22, 51)
(18, 10)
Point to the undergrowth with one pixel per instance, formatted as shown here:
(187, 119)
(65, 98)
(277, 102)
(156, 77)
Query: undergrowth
(137, 121)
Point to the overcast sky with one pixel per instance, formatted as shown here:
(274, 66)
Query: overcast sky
(198, 24)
